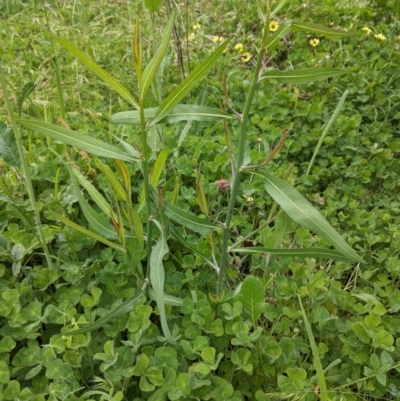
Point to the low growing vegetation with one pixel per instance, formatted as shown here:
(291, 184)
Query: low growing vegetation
(199, 201)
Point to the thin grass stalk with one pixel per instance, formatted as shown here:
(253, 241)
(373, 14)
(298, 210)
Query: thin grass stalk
(25, 169)
(241, 152)
(145, 164)
(327, 128)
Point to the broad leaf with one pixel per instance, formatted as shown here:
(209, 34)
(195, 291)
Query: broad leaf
(8, 146)
(181, 112)
(151, 70)
(153, 5)
(157, 277)
(301, 253)
(121, 309)
(100, 72)
(317, 29)
(303, 213)
(252, 296)
(188, 83)
(188, 220)
(303, 76)
(80, 141)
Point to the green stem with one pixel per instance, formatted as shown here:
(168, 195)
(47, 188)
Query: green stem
(146, 181)
(240, 158)
(25, 169)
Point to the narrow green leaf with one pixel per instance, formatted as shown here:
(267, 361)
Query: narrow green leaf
(252, 297)
(303, 213)
(188, 220)
(100, 72)
(137, 225)
(168, 299)
(80, 141)
(121, 309)
(188, 83)
(27, 89)
(157, 276)
(303, 76)
(181, 112)
(99, 223)
(112, 179)
(95, 195)
(175, 233)
(301, 253)
(317, 29)
(158, 167)
(316, 358)
(8, 146)
(152, 68)
(274, 39)
(87, 232)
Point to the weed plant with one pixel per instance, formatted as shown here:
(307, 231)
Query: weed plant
(153, 245)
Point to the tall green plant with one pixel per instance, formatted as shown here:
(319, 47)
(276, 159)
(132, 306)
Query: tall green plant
(125, 233)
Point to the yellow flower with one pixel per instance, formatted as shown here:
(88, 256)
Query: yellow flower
(217, 39)
(246, 57)
(367, 30)
(314, 42)
(296, 91)
(225, 50)
(196, 27)
(239, 47)
(380, 36)
(273, 26)
(248, 198)
(191, 36)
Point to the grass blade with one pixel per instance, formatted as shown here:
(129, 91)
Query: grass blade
(168, 299)
(99, 223)
(188, 83)
(157, 277)
(181, 112)
(327, 128)
(317, 253)
(87, 232)
(152, 68)
(303, 76)
(303, 213)
(100, 72)
(121, 309)
(316, 358)
(274, 39)
(317, 29)
(80, 141)
(188, 220)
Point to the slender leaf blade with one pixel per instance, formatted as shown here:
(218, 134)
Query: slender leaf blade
(188, 83)
(152, 68)
(317, 253)
(181, 112)
(98, 222)
(87, 232)
(274, 39)
(303, 213)
(121, 309)
(188, 220)
(168, 299)
(100, 72)
(157, 276)
(317, 29)
(303, 76)
(80, 141)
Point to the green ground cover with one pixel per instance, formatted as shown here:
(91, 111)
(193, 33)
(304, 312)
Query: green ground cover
(179, 249)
